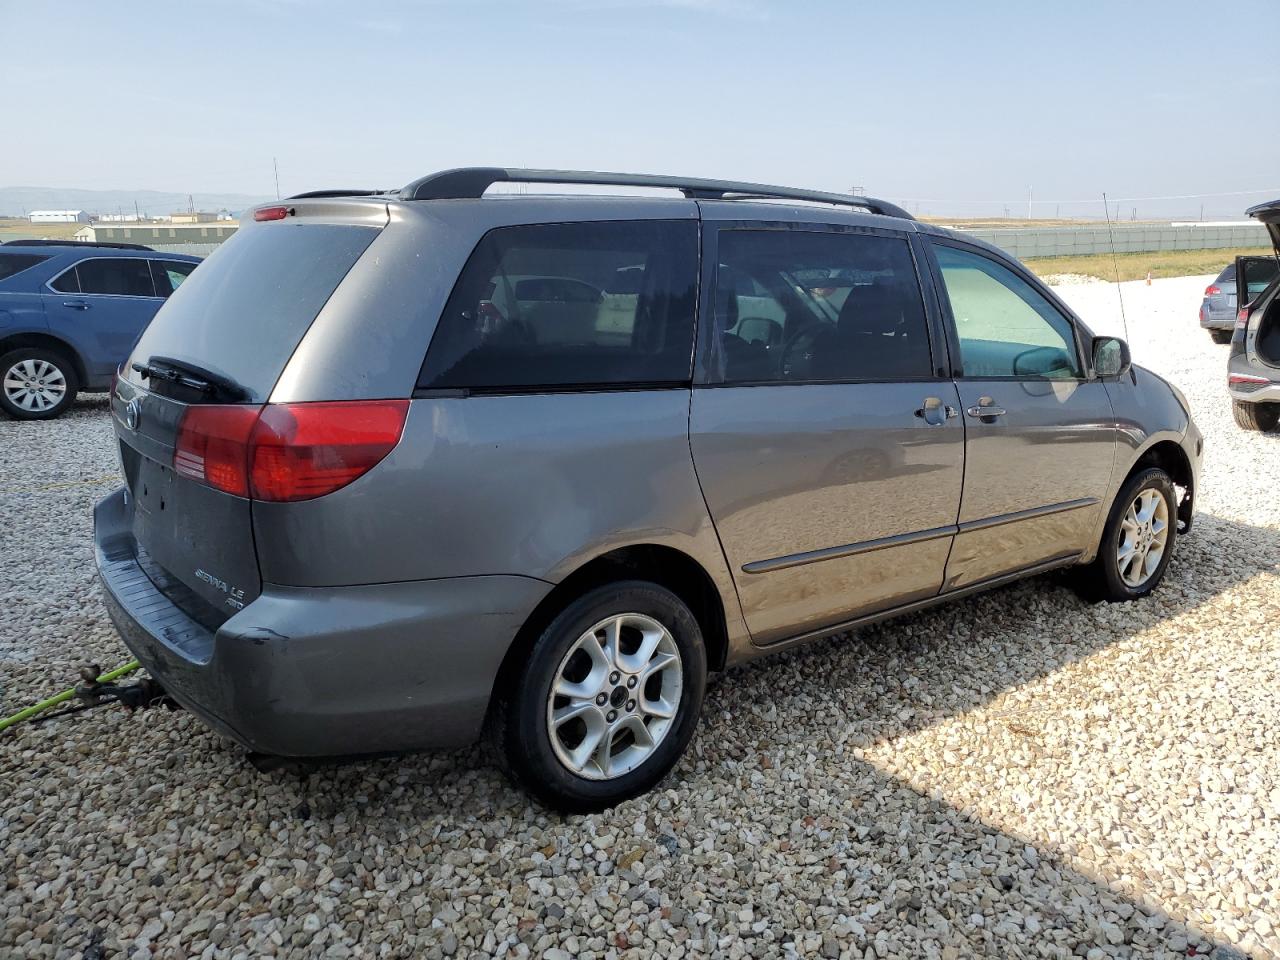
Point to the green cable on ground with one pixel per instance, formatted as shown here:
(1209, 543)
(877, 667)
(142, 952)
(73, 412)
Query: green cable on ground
(64, 696)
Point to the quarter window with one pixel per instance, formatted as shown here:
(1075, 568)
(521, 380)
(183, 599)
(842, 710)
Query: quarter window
(795, 306)
(570, 305)
(1006, 328)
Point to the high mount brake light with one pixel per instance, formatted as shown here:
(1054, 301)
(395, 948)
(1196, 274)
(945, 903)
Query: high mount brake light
(286, 452)
(270, 213)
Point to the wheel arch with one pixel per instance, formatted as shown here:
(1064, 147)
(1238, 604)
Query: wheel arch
(1168, 455)
(45, 341)
(664, 565)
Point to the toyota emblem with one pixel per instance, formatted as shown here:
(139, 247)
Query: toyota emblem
(133, 413)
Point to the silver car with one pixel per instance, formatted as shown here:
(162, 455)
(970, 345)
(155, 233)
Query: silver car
(403, 467)
(1220, 307)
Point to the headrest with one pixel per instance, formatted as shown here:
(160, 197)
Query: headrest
(874, 308)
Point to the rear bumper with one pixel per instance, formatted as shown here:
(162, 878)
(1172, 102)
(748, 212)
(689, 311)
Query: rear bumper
(1218, 323)
(1261, 393)
(323, 672)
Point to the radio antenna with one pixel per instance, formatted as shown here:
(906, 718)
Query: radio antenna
(1115, 263)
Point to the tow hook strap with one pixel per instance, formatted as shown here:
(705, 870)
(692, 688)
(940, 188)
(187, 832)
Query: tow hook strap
(95, 691)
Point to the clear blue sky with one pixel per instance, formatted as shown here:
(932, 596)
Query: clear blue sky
(950, 101)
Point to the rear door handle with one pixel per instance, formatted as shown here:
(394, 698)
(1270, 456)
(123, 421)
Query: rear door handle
(76, 304)
(934, 412)
(985, 410)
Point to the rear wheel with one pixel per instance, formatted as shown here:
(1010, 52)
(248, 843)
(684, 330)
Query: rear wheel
(607, 700)
(1221, 336)
(1255, 416)
(36, 384)
(1137, 542)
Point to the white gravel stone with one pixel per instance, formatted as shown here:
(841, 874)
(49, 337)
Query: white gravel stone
(1018, 774)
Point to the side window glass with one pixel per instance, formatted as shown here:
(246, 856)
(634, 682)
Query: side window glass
(66, 282)
(169, 274)
(794, 307)
(117, 277)
(570, 305)
(1006, 328)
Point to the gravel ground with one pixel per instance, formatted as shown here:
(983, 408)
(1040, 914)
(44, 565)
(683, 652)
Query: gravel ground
(1018, 774)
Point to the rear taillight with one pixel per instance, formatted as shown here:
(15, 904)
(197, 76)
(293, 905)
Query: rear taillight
(213, 446)
(1212, 291)
(300, 451)
(1242, 318)
(1245, 378)
(286, 452)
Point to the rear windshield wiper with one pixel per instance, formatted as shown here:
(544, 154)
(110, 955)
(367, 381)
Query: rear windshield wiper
(192, 377)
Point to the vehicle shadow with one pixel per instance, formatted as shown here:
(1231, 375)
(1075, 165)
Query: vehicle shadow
(905, 790)
(916, 855)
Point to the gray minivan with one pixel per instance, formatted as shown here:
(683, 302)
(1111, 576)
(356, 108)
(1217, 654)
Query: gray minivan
(405, 466)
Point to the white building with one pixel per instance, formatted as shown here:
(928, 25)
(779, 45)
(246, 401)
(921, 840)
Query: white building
(59, 216)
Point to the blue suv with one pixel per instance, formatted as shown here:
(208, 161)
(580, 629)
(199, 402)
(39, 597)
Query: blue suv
(69, 315)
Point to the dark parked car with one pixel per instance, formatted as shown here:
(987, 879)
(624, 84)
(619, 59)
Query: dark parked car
(1253, 370)
(400, 467)
(69, 315)
(1220, 306)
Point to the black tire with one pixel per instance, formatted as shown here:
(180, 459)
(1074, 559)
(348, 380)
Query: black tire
(1221, 336)
(38, 355)
(518, 723)
(1102, 579)
(1262, 417)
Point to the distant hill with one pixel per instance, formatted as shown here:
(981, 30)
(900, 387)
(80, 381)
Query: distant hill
(14, 200)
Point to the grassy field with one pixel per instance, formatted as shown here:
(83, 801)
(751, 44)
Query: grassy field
(1135, 266)
(14, 228)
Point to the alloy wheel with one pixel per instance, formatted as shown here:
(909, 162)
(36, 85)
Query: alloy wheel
(615, 696)
(35, 385)
(1144, 531)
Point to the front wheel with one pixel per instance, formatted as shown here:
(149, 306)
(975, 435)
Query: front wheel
(607, 700)
(1137, 542)
(36, 384)
(1256, 416)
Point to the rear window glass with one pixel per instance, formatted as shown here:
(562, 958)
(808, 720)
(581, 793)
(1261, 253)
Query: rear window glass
(244, 312)
(11, 263)
(1258, 274)
(570, 305)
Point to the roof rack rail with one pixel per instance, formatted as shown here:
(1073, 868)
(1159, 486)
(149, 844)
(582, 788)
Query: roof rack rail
(76, 243)
(472, 182)
(322, 194)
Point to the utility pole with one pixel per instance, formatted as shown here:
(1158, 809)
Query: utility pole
(1029, 195)
(276, 169)
(136, 215)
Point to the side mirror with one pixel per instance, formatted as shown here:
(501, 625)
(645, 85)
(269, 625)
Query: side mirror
(1110, 356)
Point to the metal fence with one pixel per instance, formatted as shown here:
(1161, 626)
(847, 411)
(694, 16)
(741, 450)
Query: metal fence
(1027, 242)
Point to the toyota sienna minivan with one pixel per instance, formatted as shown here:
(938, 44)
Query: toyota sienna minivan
(405, 467)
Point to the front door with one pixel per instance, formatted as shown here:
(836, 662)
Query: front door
(830, 454)
(1040, 435)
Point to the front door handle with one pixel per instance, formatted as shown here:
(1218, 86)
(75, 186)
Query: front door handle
(986, 410)
(76, 304)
